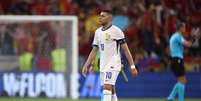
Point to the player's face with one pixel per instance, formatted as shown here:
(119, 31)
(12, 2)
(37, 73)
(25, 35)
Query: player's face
(104, 18)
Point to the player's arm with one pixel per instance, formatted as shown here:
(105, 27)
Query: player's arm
(187, 43)
(90, 58)
(129, 57)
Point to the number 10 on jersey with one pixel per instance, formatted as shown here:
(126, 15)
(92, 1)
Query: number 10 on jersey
(108, 75)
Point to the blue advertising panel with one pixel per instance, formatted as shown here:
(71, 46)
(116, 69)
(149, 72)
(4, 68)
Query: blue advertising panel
(28, 84)
(147, 84)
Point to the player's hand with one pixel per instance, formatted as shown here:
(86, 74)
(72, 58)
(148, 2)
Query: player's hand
(134, 72)
(91, 69)
(84, 71)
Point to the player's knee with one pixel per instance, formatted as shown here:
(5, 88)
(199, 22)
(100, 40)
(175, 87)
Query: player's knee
(107, 92)
(182, 80)
(108, 87)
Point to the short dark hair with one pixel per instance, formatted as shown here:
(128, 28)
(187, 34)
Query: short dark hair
(179, 25)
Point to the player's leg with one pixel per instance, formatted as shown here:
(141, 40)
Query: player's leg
(178, 88)
(109, 83)
(173, 93)
(175, 67)
(107, 88)
(181, 81)
(114, 95)
(181, 87)
(179, 72)
(107, 92)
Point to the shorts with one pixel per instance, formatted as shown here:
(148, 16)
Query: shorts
(177, 66)
(108, 77)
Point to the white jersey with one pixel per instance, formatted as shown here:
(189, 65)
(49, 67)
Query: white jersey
(108, 41)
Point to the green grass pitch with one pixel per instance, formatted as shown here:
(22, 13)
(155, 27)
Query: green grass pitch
(44, 99)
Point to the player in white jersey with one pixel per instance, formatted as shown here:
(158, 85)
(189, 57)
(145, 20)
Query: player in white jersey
(107, 41)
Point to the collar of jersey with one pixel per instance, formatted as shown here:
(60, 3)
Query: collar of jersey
(179, 33)
(104, 29)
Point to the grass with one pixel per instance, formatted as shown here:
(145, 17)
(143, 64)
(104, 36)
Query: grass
(45, 99)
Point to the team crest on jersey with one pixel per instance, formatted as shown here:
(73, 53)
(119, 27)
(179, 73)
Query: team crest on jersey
(107, 37)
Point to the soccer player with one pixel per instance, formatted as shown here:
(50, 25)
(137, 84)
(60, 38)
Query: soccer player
(107, 41)
(177, 43)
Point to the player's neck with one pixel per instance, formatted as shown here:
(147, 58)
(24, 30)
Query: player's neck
(106, 26)
(180, 32)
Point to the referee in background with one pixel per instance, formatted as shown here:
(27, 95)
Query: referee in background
(177, 44)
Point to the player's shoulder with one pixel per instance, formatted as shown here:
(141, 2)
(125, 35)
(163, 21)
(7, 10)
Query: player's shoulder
(98, 29)
(116, 28)
(177, 35)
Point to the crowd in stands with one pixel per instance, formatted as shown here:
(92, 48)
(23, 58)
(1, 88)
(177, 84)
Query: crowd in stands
(147, 24)
(33, 42)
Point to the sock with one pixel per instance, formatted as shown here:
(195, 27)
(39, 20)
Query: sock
(107, 95)
(114, 97)
(174, 92)
(181, 92)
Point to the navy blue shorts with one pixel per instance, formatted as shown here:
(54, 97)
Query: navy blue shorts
(177, 66)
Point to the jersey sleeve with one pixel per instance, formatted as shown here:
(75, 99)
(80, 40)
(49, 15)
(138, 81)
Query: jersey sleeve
(181, 39)
(120, 36)
(95, 41)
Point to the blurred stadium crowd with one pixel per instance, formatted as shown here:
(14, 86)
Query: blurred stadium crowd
(147, 24)
(34, 43)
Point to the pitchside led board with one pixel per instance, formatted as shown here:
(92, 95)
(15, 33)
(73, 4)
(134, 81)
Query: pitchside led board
(38, 56)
